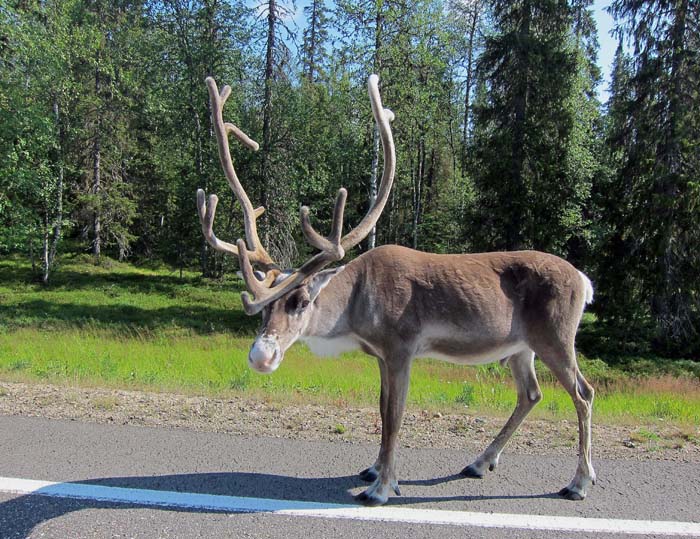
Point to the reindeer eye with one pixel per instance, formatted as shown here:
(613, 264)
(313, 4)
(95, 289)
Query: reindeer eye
(296, 303)
(292, 303)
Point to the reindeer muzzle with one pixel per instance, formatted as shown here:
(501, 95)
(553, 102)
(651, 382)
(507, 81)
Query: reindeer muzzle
(265, 355)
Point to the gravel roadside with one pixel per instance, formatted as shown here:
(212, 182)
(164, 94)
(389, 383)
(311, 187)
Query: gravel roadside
(421, 428)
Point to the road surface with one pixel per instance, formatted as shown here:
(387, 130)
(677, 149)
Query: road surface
(69, 479)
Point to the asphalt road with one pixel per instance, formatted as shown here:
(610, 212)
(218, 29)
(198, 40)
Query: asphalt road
(219, 464)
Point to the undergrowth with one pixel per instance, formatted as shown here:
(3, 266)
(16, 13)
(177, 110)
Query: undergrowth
(149, 328)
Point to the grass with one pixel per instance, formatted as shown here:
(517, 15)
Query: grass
(127, 327)
(119, 299)
(105, 403)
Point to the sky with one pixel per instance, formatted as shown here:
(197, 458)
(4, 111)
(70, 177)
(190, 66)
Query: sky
(607, 45)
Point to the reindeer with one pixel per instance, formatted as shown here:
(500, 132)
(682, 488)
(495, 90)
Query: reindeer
(396, 304)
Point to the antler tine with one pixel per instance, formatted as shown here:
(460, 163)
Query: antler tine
(206, 217)
(262, 293)
(256, 253)
(331, 244)
(334, 246)
(383, 117)
(331, 251)
(334, 243)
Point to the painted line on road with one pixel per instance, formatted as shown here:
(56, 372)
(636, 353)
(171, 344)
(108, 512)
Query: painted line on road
(236, 504)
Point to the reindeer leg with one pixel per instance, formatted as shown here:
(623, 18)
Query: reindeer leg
(529, 394)
(563, 365)
(370, 474)
(395, 379)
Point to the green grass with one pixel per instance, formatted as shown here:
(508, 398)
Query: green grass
(127, 327)
(121, 299)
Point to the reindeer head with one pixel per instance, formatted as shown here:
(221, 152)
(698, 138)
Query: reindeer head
(287, 298)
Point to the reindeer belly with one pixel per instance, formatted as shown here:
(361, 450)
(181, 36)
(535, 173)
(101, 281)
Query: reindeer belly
(474, 358)
(330, 347)
(455, 347)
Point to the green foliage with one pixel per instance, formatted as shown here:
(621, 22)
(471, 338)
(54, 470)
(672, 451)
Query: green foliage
(105, 136)
(315, 55)
(650, 264)
(34, 91)
(534, 162)
(466, 396)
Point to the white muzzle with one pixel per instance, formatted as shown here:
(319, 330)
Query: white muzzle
(265, 355)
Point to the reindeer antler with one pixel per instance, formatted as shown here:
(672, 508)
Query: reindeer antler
(255, 250)
(383, 117)
(332, 248)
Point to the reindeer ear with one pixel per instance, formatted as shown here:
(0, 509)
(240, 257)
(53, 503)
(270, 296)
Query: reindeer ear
(259, 275)
(320, 280)
(282, 276)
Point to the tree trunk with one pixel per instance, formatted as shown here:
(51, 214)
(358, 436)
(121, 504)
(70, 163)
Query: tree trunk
(372, 238)
(418, 190)
(58, 219)
(199, 168)
(311, 53)
(31, 256)
(96, 172)
(51, 241)
(470, 76)
(430, 181)
(514, 229)
(45, 248)
(267, 186)
(378, 21)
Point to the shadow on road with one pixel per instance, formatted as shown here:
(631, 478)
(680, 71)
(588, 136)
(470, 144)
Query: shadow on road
(19, 516)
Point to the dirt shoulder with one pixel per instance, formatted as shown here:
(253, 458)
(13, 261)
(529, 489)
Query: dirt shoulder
(253, 418)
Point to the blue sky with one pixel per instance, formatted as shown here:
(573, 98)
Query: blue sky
(607, 44)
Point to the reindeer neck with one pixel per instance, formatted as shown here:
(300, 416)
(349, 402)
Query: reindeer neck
(330, 317)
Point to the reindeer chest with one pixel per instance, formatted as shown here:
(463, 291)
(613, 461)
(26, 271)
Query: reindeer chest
(331, 346)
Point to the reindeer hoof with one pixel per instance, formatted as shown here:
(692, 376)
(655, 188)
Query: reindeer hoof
(569, 494)
(369, 475)
(472, 471)
(370, 500)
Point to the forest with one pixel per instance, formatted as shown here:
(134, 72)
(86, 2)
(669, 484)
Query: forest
(502, 141)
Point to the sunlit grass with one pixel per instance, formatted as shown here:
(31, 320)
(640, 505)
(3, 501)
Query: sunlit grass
(127, 327)
(216, 364)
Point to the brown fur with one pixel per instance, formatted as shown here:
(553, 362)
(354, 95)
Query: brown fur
(396, 303)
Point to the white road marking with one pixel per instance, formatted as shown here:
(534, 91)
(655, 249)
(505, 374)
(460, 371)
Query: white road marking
(236, 504)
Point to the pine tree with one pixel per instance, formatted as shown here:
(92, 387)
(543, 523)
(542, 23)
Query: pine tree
(186, 42)
(314, 42)
(617, 293)
(529, 192)
(466, 18)
(659, 164)
(35, 93)
(276, 197)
